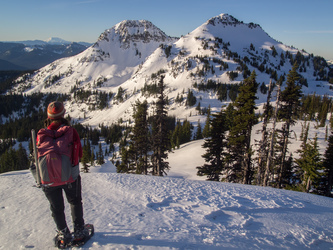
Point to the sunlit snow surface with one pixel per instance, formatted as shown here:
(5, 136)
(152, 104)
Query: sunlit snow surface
(175, 212)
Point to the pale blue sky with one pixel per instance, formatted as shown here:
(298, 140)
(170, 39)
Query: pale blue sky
(305, 24)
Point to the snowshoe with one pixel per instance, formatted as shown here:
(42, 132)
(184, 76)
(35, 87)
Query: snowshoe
(63, 238)
(82, 235)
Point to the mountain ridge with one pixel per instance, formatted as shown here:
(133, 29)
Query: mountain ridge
(35, 54)
(132, 54)
(51, 40)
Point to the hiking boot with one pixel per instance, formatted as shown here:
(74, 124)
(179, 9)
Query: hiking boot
(63, 238)
(80, 233)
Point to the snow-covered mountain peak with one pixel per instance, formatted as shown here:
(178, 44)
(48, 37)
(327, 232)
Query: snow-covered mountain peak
(111, 61)
(140, 30)
(223, 19)
(226, 19)
(234, 34)
(57, 40)
(134, 31)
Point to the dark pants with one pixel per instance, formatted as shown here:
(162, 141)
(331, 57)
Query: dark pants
(74, 198)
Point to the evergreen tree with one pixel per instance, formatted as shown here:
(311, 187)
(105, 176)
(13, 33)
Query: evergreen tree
(111, 148)
(119, 97)
(230, 114)
(124, 166)
(176, 136)
(310, 164)
(161, 142)
(328, 169)
(22, 158)
(86, 152)
(198, 134)
(140, 144)
(272, 139)
(181, 134)
(92, 157)
(240, 132)
(179, 99)
(288, 112)
(198, 108)
(94, 136)
(263, 143)
(274, 52)
(12, 159)
(322, 114)
(215, 146)
(6, 162)
(191, 99)
(100, 156)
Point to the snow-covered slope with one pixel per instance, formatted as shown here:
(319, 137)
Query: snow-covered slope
(174, 212)
(133, 54)
(111, 60)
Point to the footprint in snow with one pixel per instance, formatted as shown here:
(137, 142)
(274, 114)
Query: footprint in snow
(230, 218)
(158, 206)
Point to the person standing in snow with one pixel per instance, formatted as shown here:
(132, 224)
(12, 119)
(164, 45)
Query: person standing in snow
(54, 192)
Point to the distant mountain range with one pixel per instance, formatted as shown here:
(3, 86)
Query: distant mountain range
(128, 59)
(27, 55)
(49, 41)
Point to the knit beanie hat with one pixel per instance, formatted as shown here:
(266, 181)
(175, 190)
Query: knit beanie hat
(55, 110)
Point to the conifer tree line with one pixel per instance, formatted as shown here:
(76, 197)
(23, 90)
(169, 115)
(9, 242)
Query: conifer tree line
(12, 159)
(32, 116)
(230, 156)
(162, 131)
(145, 150)
(91, 142)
